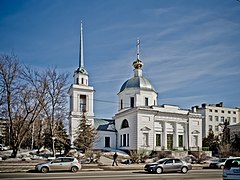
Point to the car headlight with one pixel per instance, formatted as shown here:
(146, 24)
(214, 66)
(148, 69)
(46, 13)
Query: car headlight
(152, 166)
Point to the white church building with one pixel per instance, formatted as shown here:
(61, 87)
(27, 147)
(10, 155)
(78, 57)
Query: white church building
(139, 123)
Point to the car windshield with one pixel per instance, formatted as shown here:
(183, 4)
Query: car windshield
(232, 163)
(222, 160)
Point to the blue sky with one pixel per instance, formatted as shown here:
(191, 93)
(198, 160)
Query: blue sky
(190, 49)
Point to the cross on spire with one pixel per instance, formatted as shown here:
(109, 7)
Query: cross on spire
(138, 48)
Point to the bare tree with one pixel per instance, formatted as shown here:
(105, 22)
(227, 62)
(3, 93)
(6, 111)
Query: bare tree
(55, 99)
(23, 94)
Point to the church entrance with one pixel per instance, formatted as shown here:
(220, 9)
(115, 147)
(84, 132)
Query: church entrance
(169, 141)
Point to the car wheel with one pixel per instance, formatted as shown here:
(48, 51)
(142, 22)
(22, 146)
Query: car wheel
(44, 169)
(74, 169)
(184, 170)
(159, 170)
(222, 166)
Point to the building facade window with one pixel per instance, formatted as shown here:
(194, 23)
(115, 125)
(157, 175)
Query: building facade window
(234, 112)
(210, 118)
(210, 127)
(216, 128)
(82, 81)
(146, 101)
(158, 140)
(121, 104)
(229, 112)
(180, 140)
(234, 119)
(132, 102)
(145, 139)
(216, 118)
(216, 111)
(222, 118)
(228, 119)
(210, 110)
(121, 141)
(222, 111)
(107, 141)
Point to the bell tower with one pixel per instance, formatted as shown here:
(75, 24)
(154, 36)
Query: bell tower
(81, 95)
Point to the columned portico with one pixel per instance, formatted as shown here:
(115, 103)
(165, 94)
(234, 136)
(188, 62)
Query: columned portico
(175, 136)
(186, 136)
(164, 136)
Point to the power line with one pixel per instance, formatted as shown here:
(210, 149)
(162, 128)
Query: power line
(105, 101)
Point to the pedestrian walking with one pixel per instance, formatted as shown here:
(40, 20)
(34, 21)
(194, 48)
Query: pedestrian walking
(115, 159)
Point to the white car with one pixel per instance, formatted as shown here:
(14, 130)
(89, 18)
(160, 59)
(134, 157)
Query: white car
(3, 148)
(231, 169)
(60, 164)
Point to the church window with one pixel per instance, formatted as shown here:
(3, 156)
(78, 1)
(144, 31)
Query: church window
(77, 81)
(132, 102)
(145, 139)
(158, 139)
(82, 103)
(124, 124)
(180, 140)
(121, 141)
(146, 101)
(121, 104)
(124, 140)
(107, 141)
(82, 81)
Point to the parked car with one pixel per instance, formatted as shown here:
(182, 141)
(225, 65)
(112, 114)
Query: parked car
(231, 169)
(59, 164)
(3, 148)
(218, 163)
(168, 165)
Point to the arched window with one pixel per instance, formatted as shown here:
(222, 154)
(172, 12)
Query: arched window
(125, 124)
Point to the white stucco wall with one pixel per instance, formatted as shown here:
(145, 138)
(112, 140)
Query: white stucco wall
(99, 142)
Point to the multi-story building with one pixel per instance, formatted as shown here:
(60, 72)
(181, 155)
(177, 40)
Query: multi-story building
(214, 116)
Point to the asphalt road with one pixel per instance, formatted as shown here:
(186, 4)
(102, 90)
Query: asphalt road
(204, 174)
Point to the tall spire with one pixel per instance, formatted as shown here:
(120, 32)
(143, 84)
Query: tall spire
(81, 60)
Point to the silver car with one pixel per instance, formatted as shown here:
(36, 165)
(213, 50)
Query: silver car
(168, 165)
(59, 164)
